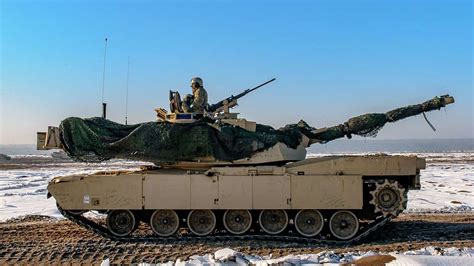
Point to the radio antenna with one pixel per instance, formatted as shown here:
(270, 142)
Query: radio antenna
(126, 94)
(104, 105)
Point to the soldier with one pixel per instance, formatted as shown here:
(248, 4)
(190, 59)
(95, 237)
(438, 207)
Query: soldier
(197, 102)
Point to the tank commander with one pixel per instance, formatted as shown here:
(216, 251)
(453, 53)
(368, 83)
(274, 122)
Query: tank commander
(197, 102)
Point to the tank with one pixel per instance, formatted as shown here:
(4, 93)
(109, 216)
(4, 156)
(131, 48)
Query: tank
(217, 176)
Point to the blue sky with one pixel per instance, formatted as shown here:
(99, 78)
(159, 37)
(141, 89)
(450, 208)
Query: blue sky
(332, 60)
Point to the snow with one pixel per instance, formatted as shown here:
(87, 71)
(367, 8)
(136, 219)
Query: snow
(447, 184)
(406, 260)
(426, 256)
(224, 254)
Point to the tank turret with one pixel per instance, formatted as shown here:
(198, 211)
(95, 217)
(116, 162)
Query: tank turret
(213, 140)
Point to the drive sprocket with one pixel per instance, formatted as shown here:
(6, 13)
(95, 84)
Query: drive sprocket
(389, 198)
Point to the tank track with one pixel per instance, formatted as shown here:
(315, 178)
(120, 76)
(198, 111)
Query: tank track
(102, 231)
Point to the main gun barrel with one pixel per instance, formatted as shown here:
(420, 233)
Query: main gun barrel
(370, 124)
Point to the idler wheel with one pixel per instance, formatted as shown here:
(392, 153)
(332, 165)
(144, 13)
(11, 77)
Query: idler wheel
(309, 222)
(201, 222)
(344, 224)
(237, 221)
(164, 222)
(121, 222)
(273, 221)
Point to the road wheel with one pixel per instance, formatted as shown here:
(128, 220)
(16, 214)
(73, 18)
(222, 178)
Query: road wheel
(201, 222)
(121, 222)
(164, 222)
(309, 222)
(273, 221)
(344, 224)
(237, 221)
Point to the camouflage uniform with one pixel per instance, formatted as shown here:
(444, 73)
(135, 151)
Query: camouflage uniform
(195, 103)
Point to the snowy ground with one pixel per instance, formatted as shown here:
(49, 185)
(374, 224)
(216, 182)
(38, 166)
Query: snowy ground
(426, 256)
(447, 184)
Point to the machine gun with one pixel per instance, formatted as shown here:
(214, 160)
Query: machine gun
(221, 108)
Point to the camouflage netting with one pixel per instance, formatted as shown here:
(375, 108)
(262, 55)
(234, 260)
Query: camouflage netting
(368, 125)
(97, 139)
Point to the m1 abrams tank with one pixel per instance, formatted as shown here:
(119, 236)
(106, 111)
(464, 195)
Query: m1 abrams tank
(254, 182)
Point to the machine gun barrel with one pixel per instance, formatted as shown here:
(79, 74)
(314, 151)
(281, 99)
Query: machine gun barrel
(220, 104)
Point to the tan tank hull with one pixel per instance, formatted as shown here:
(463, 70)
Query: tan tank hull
(366, 187)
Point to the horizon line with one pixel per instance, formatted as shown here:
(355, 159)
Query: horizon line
(361, 138)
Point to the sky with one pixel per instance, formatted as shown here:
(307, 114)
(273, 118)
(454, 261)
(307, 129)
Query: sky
(331, 59)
